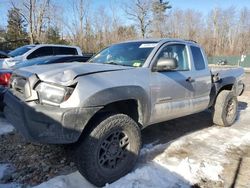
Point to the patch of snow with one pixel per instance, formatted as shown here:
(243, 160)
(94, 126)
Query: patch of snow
(212, 171)
(150, 175)
(10, 185)
(5, 171)
(3, 168)
(5, 127)
(75, 180)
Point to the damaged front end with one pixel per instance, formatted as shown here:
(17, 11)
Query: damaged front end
(33, 107)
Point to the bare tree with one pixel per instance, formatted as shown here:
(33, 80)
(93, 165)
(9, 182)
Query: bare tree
(34, 13)
(221, 32)
(139, 12)
(244, 31)
(79, 27)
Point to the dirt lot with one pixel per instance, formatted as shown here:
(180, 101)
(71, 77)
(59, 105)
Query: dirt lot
(188, 151)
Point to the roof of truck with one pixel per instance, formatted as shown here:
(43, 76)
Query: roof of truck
(156, 40)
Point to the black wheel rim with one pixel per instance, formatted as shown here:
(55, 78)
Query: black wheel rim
(113, 150)
(231, 110)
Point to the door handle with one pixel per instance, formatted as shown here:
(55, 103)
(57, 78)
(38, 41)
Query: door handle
(190, 79)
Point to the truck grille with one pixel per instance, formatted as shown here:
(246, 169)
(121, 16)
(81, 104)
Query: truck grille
(20, 86)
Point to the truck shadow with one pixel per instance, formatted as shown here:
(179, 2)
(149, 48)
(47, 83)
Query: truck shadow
(173, 129)
(242, 105)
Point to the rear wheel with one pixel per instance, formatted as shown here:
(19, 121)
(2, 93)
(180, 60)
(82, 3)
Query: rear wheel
(225, 108)
(110, 150)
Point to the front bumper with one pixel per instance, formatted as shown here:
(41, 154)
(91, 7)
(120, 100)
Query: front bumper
(46, 124)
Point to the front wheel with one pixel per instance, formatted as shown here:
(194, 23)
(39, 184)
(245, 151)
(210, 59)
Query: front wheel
(225, 108)
(110, 150)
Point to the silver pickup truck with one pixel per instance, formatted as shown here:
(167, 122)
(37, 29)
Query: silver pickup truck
(102, 105)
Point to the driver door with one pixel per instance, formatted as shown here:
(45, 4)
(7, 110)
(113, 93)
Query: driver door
(171, 90)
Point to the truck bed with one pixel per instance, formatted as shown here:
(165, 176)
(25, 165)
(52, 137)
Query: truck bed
(222, 75)
(223, 72)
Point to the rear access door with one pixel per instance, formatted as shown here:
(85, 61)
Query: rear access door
(201, 76)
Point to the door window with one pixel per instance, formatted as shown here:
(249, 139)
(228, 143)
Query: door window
(65, 51)
(177, 51)
(199, 62)
(43, 51)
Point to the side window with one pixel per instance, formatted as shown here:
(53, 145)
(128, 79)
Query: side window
(43, 51)
(177, 51)
(65, 51)
(198, 58)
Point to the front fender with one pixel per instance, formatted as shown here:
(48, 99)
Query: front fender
(115, 94)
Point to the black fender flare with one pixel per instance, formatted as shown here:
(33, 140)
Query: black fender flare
(121, 93)
(219, 85)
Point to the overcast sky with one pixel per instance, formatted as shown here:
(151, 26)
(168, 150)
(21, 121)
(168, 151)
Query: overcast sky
(200, 5)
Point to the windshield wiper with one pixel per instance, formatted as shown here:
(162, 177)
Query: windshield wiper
(114, 63)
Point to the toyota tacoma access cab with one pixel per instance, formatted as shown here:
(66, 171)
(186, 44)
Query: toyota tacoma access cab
(102, 105)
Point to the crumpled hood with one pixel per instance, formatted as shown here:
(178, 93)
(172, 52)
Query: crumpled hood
(65, 73)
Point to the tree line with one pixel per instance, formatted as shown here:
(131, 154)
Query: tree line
(220, 32)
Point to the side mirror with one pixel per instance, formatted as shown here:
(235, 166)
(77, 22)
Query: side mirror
(164, 64)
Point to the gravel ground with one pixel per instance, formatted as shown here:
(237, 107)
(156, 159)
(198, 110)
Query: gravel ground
(33, 163)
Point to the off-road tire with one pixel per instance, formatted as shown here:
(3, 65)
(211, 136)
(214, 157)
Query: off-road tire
(109, 150)
(225, 108)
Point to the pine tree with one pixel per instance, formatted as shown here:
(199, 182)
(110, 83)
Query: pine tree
(15, 34)
(159, 8)
(53, 36)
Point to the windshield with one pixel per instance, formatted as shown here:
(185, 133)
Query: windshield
(20, 51)
(132, 54)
